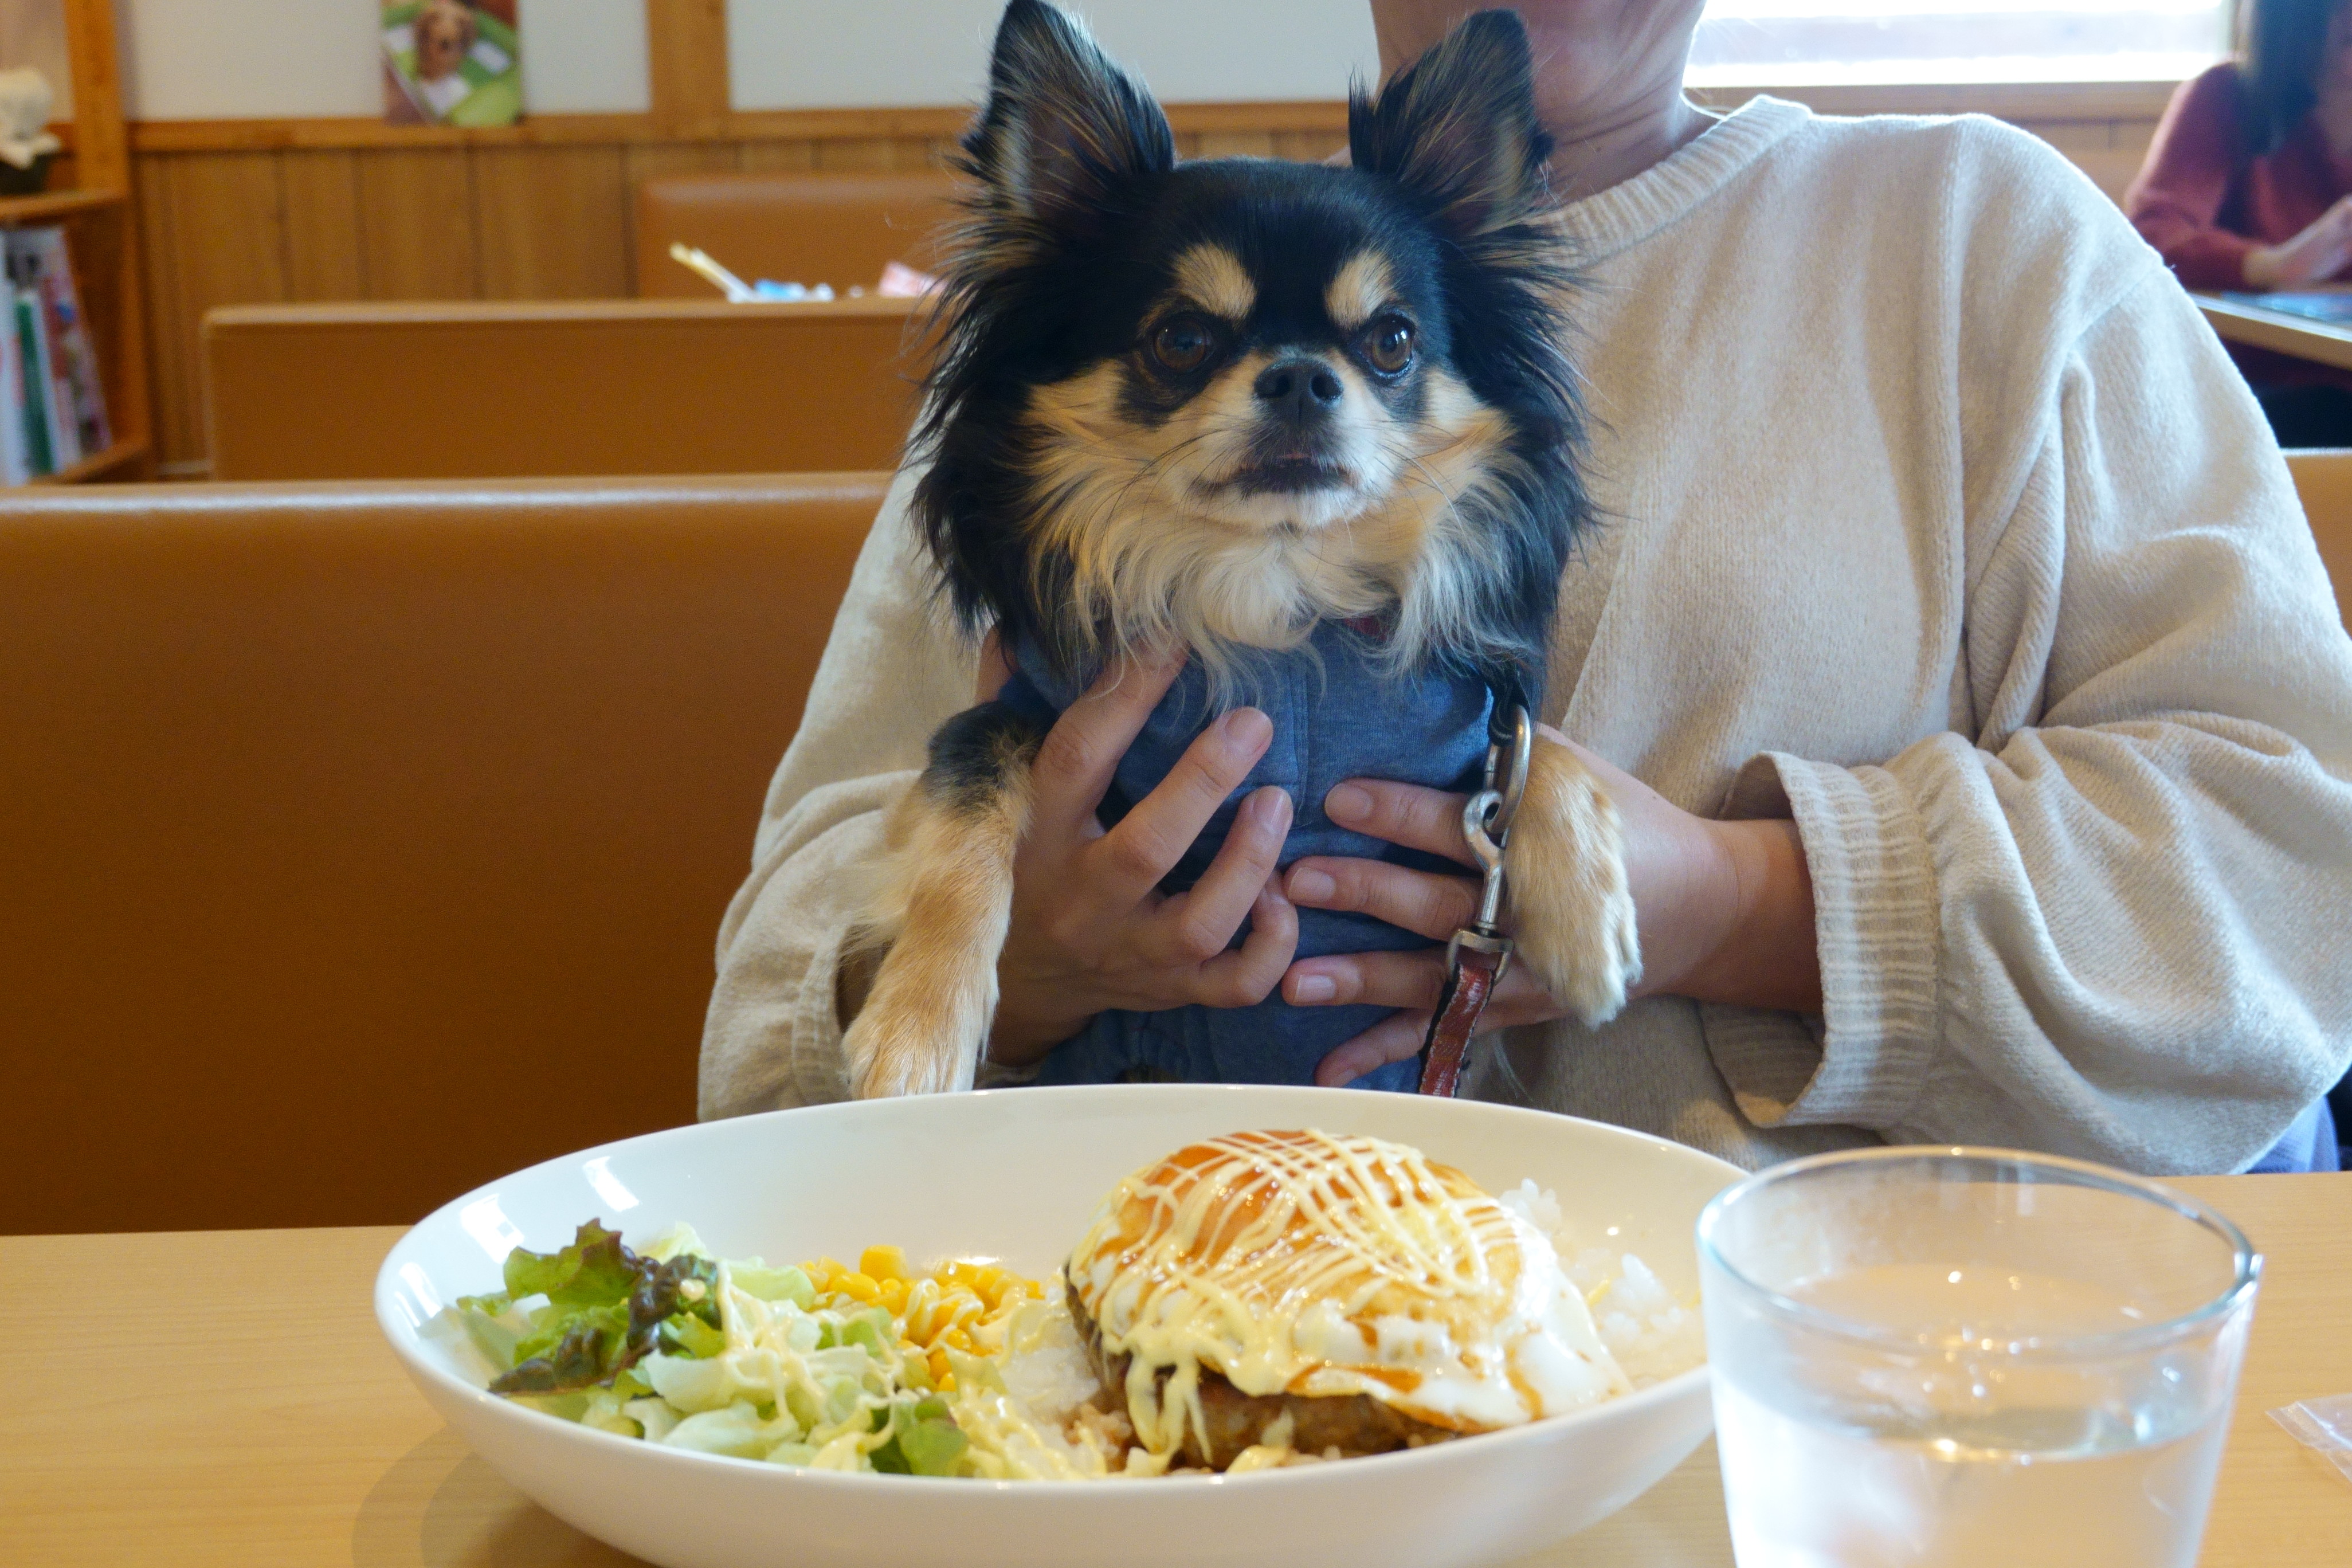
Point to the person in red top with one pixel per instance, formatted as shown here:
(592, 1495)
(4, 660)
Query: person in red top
(2248, 184)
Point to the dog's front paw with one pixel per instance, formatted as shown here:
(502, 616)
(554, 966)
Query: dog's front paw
(905, 1042)
(1572, 913)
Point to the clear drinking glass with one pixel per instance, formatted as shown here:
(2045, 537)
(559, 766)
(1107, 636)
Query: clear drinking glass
(1925, 1357)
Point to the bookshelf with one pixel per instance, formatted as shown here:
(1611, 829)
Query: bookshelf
(96, 211)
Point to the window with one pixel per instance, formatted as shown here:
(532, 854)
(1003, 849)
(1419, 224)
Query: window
(1793, 43)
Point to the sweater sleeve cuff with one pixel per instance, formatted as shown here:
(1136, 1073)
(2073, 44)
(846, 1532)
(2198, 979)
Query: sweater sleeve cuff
(1875, 924)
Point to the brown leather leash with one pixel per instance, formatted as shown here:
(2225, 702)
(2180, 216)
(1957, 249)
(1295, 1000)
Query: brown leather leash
(1480, 953)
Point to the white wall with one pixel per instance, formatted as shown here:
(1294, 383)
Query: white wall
(270, 59)
(265, 60)
(825, 54)
(33, 33)
(584, 57)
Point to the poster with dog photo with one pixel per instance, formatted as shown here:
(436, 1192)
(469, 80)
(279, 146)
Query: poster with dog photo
(451, 62)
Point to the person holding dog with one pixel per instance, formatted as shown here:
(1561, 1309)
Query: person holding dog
(1969, 689)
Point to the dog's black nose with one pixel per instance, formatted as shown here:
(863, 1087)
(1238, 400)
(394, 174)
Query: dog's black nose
(1301, 390)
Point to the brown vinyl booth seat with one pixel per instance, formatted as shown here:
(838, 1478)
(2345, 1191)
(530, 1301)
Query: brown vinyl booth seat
(532, 389)
(362, 843)
(810, 229)
(2323, 479)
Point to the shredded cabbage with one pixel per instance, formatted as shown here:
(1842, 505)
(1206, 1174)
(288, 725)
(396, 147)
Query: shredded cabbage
(874, 1369)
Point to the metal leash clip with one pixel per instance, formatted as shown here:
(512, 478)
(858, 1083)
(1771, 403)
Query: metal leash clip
(1480, 952)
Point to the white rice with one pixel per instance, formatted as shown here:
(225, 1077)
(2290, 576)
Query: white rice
(1653, 1335)
(1050, 1375)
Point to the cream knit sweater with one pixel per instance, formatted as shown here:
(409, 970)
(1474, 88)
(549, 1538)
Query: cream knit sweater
(1936, 518)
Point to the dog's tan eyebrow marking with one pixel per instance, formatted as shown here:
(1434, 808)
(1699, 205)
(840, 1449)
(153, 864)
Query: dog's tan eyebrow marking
(1361, 287)
(1215, 280)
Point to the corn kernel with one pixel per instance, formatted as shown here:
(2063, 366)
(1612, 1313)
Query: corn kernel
(958, 1337)
(859, 1287)
(894, 1295)
(879, 1263)
(937, 1363)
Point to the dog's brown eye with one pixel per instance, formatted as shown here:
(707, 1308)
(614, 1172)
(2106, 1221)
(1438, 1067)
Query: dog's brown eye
(1389, 345)
(1183, 344)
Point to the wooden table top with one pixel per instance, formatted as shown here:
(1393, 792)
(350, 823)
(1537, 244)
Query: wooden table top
(2239, 320)
(226, 1398)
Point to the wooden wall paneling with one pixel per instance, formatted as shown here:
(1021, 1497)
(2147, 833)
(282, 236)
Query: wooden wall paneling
(1237, 144)
(227, 223)
(416, 225)
(884, 154)
(356, 209)
(779, 157)
(646, 161)
(171, 331)
(1308, 146)
(322, 192)
(2074, 135)
(552, 223)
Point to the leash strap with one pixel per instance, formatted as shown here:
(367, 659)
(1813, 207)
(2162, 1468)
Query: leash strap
(1467, 989)
(1480, 953)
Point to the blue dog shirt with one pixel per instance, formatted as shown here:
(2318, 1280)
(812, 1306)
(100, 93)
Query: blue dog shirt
(1337, 715)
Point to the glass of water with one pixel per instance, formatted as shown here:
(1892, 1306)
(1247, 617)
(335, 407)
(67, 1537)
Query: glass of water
(1931, 1357)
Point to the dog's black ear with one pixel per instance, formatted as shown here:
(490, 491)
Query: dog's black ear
(1063, 125)
(1458, 128)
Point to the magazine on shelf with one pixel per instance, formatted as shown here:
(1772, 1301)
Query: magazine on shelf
(39, 260)
(32, 382)
(16, 460)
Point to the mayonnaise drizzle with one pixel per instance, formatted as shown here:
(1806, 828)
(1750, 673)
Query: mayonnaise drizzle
(1310, 1264)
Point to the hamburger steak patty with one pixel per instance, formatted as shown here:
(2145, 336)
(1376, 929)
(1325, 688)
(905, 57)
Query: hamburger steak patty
(1355, 1424)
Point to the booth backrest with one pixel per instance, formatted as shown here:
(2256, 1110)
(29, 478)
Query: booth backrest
(525, 389)
(2322, 478)
(359, 844)
(792, 228)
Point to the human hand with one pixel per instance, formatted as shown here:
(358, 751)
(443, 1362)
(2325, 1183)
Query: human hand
(2317, 254)
(1091, 930)
(1724, 912)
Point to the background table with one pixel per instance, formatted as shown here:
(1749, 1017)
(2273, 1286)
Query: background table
(2236, 321)
(225, 1398)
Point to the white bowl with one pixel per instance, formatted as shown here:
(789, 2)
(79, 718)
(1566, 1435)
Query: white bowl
(1017, 1174)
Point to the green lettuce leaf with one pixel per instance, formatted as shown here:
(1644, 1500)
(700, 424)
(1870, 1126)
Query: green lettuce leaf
(925, 1441)
(586, 1346)
(606, 1311)
(775, 1285)
(685, 1334)
(595, 1271)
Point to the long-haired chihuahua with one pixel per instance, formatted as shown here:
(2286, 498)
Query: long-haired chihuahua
(1317, 425)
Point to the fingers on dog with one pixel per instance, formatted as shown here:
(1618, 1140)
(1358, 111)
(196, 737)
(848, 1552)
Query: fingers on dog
(1372, 979)
(1202, 920)
(1407, 814)
(1392, 1039)
(1079, 754)
(1151, 839)
(1248, 977)
(1425, 903)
